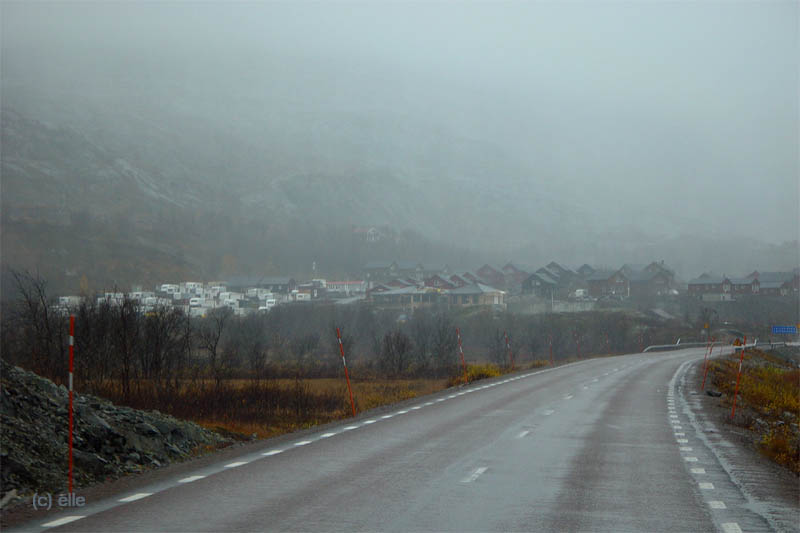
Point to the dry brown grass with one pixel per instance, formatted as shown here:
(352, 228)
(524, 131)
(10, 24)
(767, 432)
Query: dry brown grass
(769, 391)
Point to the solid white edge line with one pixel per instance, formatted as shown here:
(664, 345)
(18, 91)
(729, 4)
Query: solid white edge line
(62, 521)
(134, 497)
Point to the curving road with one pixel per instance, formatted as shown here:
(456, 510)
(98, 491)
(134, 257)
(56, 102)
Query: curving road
(600, 445)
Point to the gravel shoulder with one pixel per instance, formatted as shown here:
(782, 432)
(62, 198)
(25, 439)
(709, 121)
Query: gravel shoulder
(772, 490)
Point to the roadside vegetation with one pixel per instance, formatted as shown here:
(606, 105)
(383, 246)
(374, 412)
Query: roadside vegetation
(275, 372)
(769, 400)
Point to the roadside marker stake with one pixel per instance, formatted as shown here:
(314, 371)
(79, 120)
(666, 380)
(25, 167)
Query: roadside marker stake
(508, 349)
(71, 370)
(346, 375)
(738, 375)
(461, 352)
(709, 349)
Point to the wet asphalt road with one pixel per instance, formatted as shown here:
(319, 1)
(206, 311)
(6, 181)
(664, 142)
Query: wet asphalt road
(592, 446)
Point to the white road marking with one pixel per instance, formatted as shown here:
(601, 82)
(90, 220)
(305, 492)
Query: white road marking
(452, 396)
(431, 403)
(387, 416)
(368, 422)
(682, 441)
(690, 459)
(673, 416)
(62, 521)
(716, 504)
(677, 426)
(698, 470)
(239, 463)
(522, 434)
(686, 448)
(679, 434)
(271, 452)
(475, 475)
(302, 442)
(348, 428)
(595, 380)
(568, 397)
(416, 407)
(549, 412)
(731, 527)
(585, 387)
(326, 435)
(707, 486)
(401, 412)
(440, 400)
(190, 479)
(134, 497)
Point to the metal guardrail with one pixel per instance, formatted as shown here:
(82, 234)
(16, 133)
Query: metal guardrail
(667, 347)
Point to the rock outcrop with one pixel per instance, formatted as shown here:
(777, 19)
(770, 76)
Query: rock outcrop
(109, 440)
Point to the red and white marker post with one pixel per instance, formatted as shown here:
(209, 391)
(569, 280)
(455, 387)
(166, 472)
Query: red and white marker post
(508, 349)
(71, 369)
(346, 374)
(709, 349)
(738, 376)
(461, 352)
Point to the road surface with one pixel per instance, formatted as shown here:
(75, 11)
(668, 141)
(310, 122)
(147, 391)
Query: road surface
(600, 445)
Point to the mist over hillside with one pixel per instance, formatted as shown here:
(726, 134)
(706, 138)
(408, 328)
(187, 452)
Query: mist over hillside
(253, 139)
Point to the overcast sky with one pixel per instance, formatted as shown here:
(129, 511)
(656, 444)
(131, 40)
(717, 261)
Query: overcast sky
(637, 105)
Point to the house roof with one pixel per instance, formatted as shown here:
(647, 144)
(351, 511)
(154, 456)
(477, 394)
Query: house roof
(708, 279)
(600, 275)
(774, 276)
(771, 284)
(544, 278)
(408, 265)
(641, 276)
(475, 288)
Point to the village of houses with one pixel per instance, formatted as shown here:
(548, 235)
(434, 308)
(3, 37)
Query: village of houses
(406, 286)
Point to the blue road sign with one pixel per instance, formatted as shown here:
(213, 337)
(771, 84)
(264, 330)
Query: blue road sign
(784, 330)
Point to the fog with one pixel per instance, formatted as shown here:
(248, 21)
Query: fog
(587, 132)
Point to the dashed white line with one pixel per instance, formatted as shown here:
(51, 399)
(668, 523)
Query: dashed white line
(698, 470)
(452, 396)
(326, 435)
(731, 527)
(568, 397)
(585, 387)
(190, 479)
(716, 504)
(368, 422)
(431, 403)
(348, 428)
(522, 434)
(416, 407)
(62, 521)
(440, 400)
(595, 380)
(134, 497)
(240, 463)
(302, 442)
(682, 441)
(475, 475)
(707, 486)
(679, 434)
(387, 416)
(686, 448)
(404, 411)
(549, 412)
(271, 452)
(690, 459)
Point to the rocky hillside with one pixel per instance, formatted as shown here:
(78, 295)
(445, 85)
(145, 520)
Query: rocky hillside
(110, 441)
